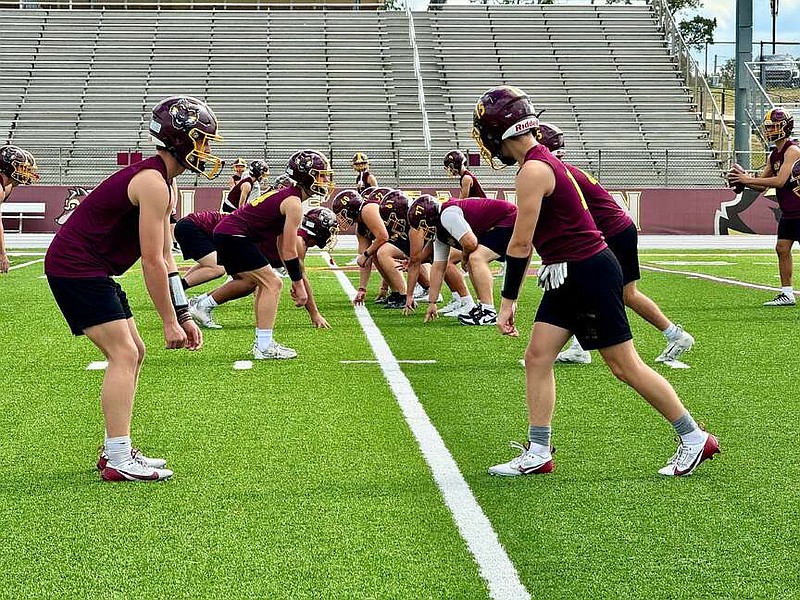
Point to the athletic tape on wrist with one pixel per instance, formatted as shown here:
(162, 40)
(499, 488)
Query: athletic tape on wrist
(176, 292)
(515, 273)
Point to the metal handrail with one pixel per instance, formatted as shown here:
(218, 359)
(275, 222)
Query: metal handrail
(412, 40)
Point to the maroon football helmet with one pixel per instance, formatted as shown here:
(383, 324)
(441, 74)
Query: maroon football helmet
(453, 161)
(376, 194)
(394, 212)
(360, 162)
(185, 126)
(259, 168)
(18, 165)
(778, 124)
(424, 214)
(347, 205)
(311, 170)
(282, 181)
(501, 113)
(551, 137)
(320, 224)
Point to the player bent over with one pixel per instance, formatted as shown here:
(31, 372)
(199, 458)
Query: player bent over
(582, 283)
(17, 167)
(195, 236)
(480, 228)
(620, 234)
(318, 228)
(126, 217)
(275, 214)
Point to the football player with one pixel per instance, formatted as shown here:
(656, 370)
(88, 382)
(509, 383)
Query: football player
(125, 218)
(582, 283)
(477, 227)
(17, 167)
(455, 163)
(620, 234)
(195, 236)
(364, 179)
(351, 208)
(781, 172)
(318, 228)
(238, 170)
(246, 186)
(276, 213)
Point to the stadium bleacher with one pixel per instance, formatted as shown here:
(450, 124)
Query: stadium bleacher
(76, 85)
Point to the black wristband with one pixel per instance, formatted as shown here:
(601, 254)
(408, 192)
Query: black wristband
(366, 253)
(293, 269)
(516, 268)
(183, 314)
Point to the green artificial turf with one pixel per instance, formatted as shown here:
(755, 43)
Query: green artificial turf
(300, 479)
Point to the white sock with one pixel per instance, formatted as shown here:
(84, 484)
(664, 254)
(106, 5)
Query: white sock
(263, 338)
(207, 302)
(695, 437)
(575, 345)
(467, 302)
(118, 449)
(788, 291)
(488, 307)
(671, 332)
(539, 449)
(456, 297)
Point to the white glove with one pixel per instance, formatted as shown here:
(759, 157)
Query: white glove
(552, 276)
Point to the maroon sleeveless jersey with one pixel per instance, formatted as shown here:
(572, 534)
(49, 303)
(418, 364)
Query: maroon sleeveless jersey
(609, 216)
(362, 229)
(101, 238)
(361, 181)
(787, 199)
(565, 231)
(475, 190)
(484, 214)
(259, 219)
(233, 195)
(206, 220)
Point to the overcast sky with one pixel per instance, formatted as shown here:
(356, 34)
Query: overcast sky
(788, 25)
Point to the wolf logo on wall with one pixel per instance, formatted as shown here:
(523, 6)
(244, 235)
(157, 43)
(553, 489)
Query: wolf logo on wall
(744, 214)
(74, 197)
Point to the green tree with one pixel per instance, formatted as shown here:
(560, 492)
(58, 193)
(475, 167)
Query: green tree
(698, 31)
(727, 73)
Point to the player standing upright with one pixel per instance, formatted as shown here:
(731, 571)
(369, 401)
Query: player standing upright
(248, 186)
(17, 167)
(582, 283)
(778, 173)
(364, 179)
(125, 218)
(455, 163)
(620, 234)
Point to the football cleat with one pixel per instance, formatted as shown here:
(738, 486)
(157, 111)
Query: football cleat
(689, 456)
(395, 300)
(202, 315)
(453, 306)
(479, 316)
(676, 347)
(273, 351)
(136, 454)
(527, 463)
(574, 355)
(420, 293)
(133, 470)
(781, 300)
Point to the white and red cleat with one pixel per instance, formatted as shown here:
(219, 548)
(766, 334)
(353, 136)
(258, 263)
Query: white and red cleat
(527, 463)
(136, 454)
(689, 456)
(133, 470)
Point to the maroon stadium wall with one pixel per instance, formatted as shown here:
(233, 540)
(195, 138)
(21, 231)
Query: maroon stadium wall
(655, 210)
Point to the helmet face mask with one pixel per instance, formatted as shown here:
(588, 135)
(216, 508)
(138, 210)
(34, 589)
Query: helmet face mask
(778, 124)
(18, 165)
(320, 223)
(185, 127)
(501, 113)
(360, 162)
(552, 138)
(454, 161)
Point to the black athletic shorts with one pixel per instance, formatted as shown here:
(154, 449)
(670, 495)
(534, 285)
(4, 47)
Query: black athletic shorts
(238, 254)
(496, 240)
(789, 229)
(194, 242)
(625, 246)
(589, 303)
(89, 301)
(402, 244)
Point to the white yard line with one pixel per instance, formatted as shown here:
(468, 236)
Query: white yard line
(725, 280)
(377, 362)
(32, 262)
(494, 564)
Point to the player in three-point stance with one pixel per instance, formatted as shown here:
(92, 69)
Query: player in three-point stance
(582, 283)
